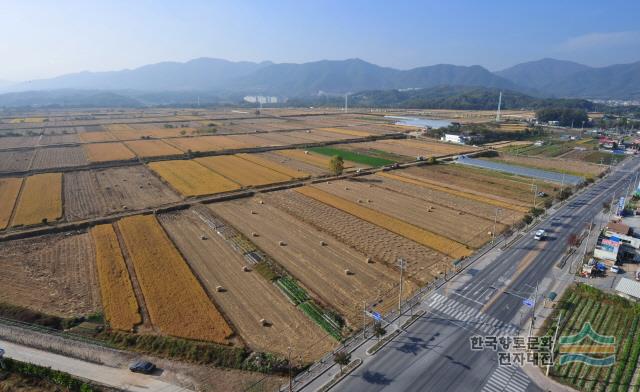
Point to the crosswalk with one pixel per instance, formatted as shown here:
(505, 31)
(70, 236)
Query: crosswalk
(473, 318)
(507, 379)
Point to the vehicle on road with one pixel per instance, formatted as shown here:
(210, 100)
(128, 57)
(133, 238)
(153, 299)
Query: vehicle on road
(540, 235)
(144, 367)
(615, 269)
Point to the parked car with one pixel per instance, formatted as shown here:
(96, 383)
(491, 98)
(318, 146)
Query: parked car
(144, 367)
(615, 269)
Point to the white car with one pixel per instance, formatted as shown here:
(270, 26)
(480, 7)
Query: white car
(539, 235)
(615, 269)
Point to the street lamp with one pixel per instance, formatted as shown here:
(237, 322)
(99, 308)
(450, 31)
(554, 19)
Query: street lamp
(495, 221)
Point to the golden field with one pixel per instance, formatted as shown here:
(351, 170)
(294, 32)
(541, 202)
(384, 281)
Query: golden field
(177, 304)
(152, 148)
(274, 166)
(118, 299)
(192, 179)
(41, 198)
(427, 184)
(349, 132)
(242, 171)
(9, 189)
(104, 152)
(407, 230)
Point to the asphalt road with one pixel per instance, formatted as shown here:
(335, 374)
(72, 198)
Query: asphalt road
(122, 379)
(435, 354)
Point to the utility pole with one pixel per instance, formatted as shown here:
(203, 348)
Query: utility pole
(346, 102)
(364, 320)
(402, 265)
(495, 221)
(534, 188)
(290, 377)
(533, 311)
(499, 105)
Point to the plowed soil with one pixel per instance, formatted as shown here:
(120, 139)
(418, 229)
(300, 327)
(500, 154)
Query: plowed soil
(54, 157)
(94, 193)
(53, 274)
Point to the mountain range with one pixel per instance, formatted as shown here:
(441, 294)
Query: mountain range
(232, 80)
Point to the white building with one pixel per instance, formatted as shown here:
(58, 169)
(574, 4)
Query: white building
(628, 288)
(458, 139)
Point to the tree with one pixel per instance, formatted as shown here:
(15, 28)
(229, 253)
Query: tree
(336, 165)
(432, 160)
(573, 240)
(378, 330)
(183, 132)
(605, 206)
(342, 358)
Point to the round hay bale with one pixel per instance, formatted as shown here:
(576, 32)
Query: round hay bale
(246, 269)
(348, 272)
(369, 260)
(260, 202)
(322, 243)
(203, 237)
(282, 243)
(220, 289)
(254, 234)
(253, 212)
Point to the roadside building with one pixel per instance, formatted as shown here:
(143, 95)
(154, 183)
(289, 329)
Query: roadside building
(607, 249)
(619, 228)
(628, 288)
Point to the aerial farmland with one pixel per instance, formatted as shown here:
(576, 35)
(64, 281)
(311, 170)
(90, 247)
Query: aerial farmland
(233, 235)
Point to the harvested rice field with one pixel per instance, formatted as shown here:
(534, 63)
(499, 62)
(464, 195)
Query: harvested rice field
(40, 200)
(255, 158)
(104, 152)
(509, 189)
(430, 239)
(318, 160)
(16, 161)
(192, 179)
(294, 165)
(93, 193)
(247, 297)
(9, 189)
(335, 273)
(206, 143)
(413, 148)
(177, 303)
(460, 204)
(458, 226)
(242, 171)
(92, 137)
(54, 274)
(152, 148)
(381, 245)
(18, 142)
(57, 157)
(567, 166)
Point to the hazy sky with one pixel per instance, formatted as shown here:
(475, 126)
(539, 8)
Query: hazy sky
(41, 38)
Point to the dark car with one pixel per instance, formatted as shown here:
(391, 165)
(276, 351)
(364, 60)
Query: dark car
(144, 367)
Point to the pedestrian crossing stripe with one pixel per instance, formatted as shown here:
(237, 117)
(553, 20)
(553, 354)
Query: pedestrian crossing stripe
(507, 379)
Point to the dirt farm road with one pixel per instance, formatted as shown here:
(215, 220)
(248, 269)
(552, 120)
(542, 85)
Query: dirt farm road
(118, 378)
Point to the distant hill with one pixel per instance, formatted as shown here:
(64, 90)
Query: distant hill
(337, 77)
(542, 73)
(446, 97)
(332, 77)
(568, 79)
(198, 74)
(216, 80)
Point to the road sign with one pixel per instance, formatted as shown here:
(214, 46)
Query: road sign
(528, 302)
